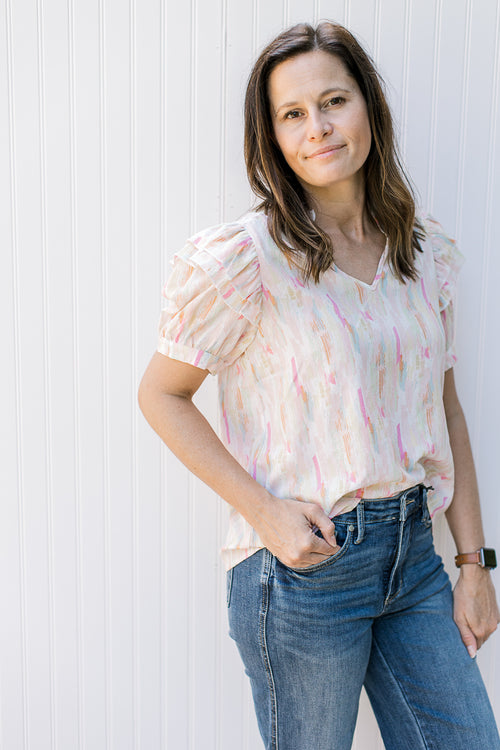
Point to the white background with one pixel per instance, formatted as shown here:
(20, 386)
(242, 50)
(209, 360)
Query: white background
(120, 134)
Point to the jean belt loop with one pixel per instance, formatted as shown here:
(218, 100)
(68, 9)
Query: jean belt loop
(425, 508)
(402, 506)
(360, 514)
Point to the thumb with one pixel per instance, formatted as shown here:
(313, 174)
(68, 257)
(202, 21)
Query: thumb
(468, 638)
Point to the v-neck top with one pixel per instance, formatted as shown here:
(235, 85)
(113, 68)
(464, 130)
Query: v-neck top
(328, 392)
(378, 272)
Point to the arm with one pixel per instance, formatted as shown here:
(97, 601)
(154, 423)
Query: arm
(283, 525)
(475, 608)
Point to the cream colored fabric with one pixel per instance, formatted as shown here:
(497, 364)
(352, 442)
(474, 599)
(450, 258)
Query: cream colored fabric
(329, 392)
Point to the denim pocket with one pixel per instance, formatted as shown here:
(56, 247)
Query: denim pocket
(229, 585)
(344, 537)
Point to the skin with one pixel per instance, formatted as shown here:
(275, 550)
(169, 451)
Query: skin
(326, 109)
(316, 104)
(476, 610)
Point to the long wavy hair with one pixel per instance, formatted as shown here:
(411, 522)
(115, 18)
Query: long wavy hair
(389, 198)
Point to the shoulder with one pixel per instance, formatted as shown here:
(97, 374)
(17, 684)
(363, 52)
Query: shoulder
(225, 243)
(232, 246)
(447, 258)
(225, 257)
(443, 245)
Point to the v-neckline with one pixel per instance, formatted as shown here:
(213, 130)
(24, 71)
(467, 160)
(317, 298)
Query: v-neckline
(378, 273)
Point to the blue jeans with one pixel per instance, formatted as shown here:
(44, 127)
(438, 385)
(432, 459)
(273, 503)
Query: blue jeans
(379, 614)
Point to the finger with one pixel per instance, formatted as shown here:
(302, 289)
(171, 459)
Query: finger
(326, 526)
(468, 638)
(321, 547)
(484, 632)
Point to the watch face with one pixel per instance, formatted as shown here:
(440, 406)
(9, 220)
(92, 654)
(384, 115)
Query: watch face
(488, 557)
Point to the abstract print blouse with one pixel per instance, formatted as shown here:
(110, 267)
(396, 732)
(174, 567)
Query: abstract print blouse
(328, 392)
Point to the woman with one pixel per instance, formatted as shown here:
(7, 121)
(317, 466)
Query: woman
(327, 315)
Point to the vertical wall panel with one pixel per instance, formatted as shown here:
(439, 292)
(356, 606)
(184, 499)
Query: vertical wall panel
(180, 98)
(30, 236)
(363, 20)
(298, 11)
(333, 10)
(146, 238)
(117, 118)
(393, 51)
(88, 321)
(449, 120)
(206, 175)
(55, 134)
(417, 122)
(12, 570)
(240, 23)
(120, 135)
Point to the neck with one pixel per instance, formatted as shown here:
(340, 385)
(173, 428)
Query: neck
(341, 208)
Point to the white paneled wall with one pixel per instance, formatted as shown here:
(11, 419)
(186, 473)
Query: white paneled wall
(120, 134)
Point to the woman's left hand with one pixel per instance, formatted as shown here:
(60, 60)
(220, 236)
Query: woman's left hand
(475, 609)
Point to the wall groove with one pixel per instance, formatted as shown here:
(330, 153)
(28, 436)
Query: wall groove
(255, 27)
(316, 12)
(75, 327)
(161, 265)
(286, 13)
(103, 241)
(136, 618)
(376, 31)
(193, 214)
(463, 122)
(42, 130)
(406, 77)
(222, 217)
(435, 94)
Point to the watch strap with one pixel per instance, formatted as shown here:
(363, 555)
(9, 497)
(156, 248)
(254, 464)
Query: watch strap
(468, 557)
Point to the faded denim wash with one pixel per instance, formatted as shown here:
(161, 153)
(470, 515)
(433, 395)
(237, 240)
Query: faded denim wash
(379, 614)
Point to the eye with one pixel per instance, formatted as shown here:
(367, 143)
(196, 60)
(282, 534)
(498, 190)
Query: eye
(292, 115)
(335, 100)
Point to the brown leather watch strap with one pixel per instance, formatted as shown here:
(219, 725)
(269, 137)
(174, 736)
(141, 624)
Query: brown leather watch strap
(468, 557)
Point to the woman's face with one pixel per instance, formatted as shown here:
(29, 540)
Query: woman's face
(320, 121)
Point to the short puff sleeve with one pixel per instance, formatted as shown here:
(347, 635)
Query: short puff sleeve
(447, 261)
(212, 299)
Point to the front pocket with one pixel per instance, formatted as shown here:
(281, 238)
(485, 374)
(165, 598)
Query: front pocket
(328, 560)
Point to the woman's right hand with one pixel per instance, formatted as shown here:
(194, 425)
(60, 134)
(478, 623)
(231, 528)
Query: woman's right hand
(287, 528)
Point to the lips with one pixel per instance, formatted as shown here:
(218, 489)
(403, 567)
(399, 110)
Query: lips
(326, 150)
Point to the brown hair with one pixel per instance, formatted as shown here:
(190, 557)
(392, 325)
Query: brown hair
(389, 198)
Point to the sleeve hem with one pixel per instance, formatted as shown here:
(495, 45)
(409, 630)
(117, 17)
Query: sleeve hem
(449, 361)
(189, 355)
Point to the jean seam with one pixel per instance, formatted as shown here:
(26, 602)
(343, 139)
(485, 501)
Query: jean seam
(403, 516)
(229, 586)
(264, 649)
(396, 681)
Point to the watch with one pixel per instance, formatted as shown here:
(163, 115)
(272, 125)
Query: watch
(485, 557)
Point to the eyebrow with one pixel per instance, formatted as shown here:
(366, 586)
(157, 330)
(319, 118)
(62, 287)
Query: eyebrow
(323, 93)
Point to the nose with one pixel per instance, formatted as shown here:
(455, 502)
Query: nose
(319, 125)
